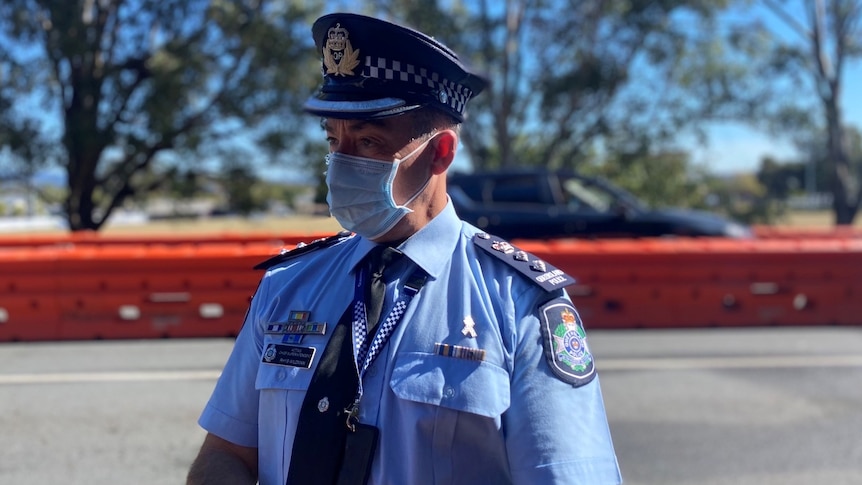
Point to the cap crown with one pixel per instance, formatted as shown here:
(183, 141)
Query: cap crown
(373, 68)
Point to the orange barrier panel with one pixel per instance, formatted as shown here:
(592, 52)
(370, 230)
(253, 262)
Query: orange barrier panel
(194, 289)
(28, 307)
(158, 291)
(124, 291)
(692, 283)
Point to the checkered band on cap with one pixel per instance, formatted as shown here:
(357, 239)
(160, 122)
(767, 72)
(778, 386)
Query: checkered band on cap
(449, 93)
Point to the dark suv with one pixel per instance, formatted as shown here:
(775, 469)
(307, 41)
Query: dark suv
(543, 204)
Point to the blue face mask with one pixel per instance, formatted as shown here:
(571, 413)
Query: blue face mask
(360, 193)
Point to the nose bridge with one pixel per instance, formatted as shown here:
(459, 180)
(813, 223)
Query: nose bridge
(344, 145)
(345, 141)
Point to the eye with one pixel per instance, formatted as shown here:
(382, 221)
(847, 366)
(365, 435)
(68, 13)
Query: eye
(367, 143)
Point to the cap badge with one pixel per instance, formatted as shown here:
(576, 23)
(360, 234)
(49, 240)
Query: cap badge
(338, 55)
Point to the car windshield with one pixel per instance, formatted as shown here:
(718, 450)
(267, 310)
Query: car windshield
(586, 194)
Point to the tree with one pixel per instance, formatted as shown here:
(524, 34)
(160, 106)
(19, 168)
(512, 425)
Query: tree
(238, 182)
(660, 179)
(23, 149)
(781, 180)
(137, 87)
(811, 43)
(567, 74)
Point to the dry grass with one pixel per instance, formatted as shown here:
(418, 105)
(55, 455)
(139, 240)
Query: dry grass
(306, 224)
(323, 224)
(234, 225)
(814, 219)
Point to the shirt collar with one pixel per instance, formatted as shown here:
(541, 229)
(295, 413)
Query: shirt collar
(430, 248)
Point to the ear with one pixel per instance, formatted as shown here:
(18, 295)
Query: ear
(445, 145)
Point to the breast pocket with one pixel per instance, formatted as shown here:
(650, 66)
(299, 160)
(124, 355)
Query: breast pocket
(450, 412)
(479, 388)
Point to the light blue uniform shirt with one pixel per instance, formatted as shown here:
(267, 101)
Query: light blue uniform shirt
(442, 420)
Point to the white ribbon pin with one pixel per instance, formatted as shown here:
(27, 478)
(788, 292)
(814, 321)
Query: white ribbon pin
(468, 329)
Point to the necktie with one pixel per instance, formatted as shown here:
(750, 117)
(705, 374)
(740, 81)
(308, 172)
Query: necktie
(318, 445)
(321, 432)
(379, 259)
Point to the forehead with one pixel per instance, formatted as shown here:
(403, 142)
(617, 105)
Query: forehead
(396, 125)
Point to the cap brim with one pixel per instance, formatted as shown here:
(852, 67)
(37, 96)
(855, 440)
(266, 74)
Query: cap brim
(364, 109)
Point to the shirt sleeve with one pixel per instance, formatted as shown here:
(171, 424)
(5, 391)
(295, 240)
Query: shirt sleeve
(232, 410)
(556, 428)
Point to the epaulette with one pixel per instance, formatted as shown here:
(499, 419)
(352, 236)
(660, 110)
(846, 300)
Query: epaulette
(303, 248)
(539, 272)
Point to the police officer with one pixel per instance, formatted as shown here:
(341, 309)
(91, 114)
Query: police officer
(477, 369)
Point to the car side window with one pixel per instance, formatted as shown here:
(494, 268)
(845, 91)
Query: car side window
(515, 190)
(470, 187)
(586, 198)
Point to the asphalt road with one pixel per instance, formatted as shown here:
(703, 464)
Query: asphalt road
(706, 407)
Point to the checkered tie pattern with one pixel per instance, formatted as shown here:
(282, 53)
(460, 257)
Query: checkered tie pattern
(360, 331)
(370, 308)
(368, 354)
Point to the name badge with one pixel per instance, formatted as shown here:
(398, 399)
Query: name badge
(289, 355)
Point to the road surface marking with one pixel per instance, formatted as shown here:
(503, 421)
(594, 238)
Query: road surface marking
(645, 364)
(801, 361)
(129, 376)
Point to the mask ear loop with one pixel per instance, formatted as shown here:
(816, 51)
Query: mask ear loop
(397, 163)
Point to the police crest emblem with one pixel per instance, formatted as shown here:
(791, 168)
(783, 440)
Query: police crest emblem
(565, 343)
(339, 58)
(270, 353)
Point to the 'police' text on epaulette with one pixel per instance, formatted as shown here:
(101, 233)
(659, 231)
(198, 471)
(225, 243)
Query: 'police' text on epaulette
(303, 248)
(538, 271)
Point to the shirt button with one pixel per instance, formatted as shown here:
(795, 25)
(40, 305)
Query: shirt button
(448, 392)
(281, 375)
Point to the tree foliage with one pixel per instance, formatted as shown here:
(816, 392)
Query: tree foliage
(807, 47)
(568, 76)
(127, 88)
(122, 94)
(660, 179)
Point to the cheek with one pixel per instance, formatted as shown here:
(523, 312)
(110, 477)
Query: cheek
(409, 180)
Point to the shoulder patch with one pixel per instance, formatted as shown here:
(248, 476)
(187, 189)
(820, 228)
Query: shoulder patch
(565, 343)
(303, 248)
(539, 272)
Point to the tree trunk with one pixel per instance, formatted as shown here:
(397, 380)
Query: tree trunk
(844, 183)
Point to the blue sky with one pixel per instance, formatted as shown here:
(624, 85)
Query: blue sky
(739, 148)
(735, 148)
(731, 148)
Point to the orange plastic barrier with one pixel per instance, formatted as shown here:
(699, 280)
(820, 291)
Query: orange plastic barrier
(124, 291)
(201, 289)
(696, 283)
(28, 307)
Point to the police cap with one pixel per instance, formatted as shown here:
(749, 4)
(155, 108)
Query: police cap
(373, 69)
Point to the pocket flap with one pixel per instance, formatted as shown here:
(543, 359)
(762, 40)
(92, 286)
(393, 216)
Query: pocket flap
(463, 385)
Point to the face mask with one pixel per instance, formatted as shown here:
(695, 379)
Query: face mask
(360, 193)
